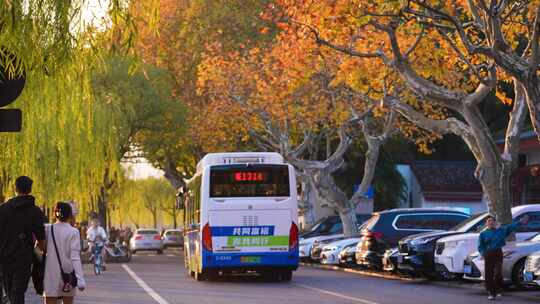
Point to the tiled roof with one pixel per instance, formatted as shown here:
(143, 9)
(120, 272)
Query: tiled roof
(447, 180)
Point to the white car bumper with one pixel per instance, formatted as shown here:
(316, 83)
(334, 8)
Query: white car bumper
(305, 251)
(330, 257)
(452, 259)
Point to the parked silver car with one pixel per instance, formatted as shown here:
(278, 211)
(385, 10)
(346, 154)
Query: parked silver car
(531, 274)
(173, 238)
(514, 255)
(147, 240)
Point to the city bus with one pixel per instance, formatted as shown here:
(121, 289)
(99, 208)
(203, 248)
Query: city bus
(241, 216)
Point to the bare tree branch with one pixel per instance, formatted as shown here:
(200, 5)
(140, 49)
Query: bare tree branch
(484, 88)
(515, 125)
(535, 52)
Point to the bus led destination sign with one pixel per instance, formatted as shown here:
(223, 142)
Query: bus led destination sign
(249, 176)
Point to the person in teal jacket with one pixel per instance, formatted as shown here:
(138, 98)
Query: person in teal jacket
(490, 244)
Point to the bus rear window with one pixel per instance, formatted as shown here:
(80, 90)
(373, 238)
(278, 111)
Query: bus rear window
(249, 181)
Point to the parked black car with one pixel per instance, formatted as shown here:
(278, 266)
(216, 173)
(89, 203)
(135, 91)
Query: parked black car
(416, 252)
(386, 228)
(331, 225)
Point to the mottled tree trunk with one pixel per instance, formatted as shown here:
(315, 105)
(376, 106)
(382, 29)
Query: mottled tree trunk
(532, 89)
(350, 224)
(154, 217)
(102, 211)
(308, 200)
(174, 216)
(495, 182)
(329, 191)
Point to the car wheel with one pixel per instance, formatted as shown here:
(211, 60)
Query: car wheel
(446, 276)
(134, 251)
(517, 274)
(160, 251)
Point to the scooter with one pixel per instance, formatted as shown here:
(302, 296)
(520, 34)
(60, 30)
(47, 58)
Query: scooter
(118, 252)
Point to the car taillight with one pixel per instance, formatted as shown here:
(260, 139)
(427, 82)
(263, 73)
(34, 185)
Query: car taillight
(138, 237)
(293, 237)
(207, 237)
(375, 235)
(157, 237)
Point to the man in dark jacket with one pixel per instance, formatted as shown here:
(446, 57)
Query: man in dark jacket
(21, 221)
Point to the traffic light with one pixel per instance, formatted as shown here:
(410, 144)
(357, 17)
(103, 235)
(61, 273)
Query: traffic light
(10, 88)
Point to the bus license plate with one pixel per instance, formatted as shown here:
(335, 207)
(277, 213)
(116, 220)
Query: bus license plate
(528, 276)
(250, 259)
(400, 259)
(467, 269)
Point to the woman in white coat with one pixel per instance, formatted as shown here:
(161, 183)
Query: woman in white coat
(69, 250)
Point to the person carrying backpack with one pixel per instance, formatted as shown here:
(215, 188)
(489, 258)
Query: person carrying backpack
(21, 221)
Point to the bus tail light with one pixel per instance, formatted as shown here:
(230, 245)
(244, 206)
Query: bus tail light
(207, 237)
(293, 237)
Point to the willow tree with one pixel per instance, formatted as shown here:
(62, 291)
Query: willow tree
(67, 140)
(143, 202)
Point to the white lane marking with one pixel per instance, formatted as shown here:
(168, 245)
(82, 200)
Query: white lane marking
(335, 294)
(144, 286)
(170, 255)
(152, 255)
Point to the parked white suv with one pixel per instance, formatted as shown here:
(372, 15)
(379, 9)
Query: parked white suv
(451, 252)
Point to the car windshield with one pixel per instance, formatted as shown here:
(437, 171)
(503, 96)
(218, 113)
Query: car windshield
(173, 233)
(472, 222)
(318, 224)
(333, 225)
(147, 232)
(326, 227)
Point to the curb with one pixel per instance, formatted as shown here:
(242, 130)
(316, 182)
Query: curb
(449, 284)
(362, 272)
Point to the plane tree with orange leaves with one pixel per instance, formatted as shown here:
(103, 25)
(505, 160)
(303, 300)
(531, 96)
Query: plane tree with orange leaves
(451, 55)
(177, 42)
(290, 97)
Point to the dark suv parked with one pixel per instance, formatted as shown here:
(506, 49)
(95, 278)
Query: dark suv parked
(416, 252)
(386, 228)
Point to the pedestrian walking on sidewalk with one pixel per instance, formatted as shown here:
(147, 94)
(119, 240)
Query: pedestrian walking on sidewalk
(63, 257)
(21, 222)
(490, 245)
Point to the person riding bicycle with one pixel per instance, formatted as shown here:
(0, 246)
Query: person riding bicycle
(97, 237)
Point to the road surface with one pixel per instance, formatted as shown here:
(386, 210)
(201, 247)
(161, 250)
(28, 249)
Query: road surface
(162, 279)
